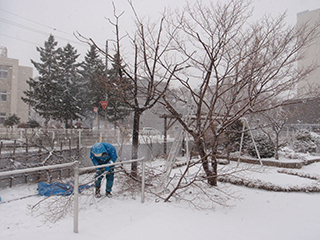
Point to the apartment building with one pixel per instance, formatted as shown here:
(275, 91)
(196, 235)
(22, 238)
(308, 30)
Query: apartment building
(12, 84)
(312, 53)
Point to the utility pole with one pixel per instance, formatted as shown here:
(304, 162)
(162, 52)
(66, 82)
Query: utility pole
(106, 100)
(107, 54)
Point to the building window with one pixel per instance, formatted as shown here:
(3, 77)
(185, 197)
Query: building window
(2, 117)
(4, 72)
(3, 95)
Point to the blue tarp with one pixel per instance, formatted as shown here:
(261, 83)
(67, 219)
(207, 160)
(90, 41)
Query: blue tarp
(60, 189)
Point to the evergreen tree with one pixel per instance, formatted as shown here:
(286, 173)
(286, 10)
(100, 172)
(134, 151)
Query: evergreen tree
(11, 120)
(43, 88)
(97, 87)
(68, 100)
(117, 110)
(233, 136)
(264, 145)
(304, 142)
(93, 70)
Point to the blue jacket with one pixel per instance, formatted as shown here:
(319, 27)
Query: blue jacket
(100, 148)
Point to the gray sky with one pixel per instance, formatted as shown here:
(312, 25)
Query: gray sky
(26, 24)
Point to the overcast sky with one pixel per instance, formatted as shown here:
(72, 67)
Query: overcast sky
(26, 24)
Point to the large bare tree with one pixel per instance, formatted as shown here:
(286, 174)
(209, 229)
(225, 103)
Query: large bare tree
(238, 67)
(144, 70)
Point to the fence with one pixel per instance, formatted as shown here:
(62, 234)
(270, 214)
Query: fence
(25, 148)
(28, 155)
(54, 137)
(17, 155)
(291, 129)
(77, 171)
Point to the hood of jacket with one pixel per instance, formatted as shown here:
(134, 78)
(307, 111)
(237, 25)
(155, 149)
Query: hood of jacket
(98, 149)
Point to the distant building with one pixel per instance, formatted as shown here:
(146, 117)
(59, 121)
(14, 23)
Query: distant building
(312, 53)
(12, 84)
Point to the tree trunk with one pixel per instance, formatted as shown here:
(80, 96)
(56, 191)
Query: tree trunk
(214, 163)
(214, 174)
(210, 174)
(46, 123)
(135, 141)
(277, 147)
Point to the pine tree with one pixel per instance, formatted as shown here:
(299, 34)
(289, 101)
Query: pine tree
(43, 88)
(93, 70)
(117, 110)
(68, 100)
(233, 136)
(97, 87)
(264, 145)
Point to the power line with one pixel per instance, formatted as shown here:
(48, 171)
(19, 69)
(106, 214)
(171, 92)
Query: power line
(36, 30)
(23, 40)
(23, 26)
(41, 24)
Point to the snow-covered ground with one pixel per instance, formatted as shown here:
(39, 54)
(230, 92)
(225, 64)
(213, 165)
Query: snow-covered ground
(253, 214)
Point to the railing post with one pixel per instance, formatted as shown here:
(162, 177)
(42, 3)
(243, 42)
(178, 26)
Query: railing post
(143, 182)
(76, 197)
(79, 136)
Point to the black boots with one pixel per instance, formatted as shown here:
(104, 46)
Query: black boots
(108, 194)
(97, 192)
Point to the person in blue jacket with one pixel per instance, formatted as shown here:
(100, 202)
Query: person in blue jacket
(103, 153)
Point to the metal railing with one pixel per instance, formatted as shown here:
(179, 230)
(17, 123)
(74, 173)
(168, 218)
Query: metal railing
(77, 172)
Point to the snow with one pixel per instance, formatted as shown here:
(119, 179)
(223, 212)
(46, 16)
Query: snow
(252, 214)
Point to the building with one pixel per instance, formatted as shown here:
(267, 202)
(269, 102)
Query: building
(13, 81)
(312, 53)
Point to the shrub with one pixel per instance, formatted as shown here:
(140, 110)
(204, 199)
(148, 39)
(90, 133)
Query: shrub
(304, 142)
(11, 120)
(233, 137)
(264, 145)
(32, 124)
(22, 125)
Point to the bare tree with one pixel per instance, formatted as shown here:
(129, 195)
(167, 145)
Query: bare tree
(273, 121)
(239, 67)
(143, 78)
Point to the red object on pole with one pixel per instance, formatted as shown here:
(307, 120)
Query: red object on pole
(104, 104)
(95, 109)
